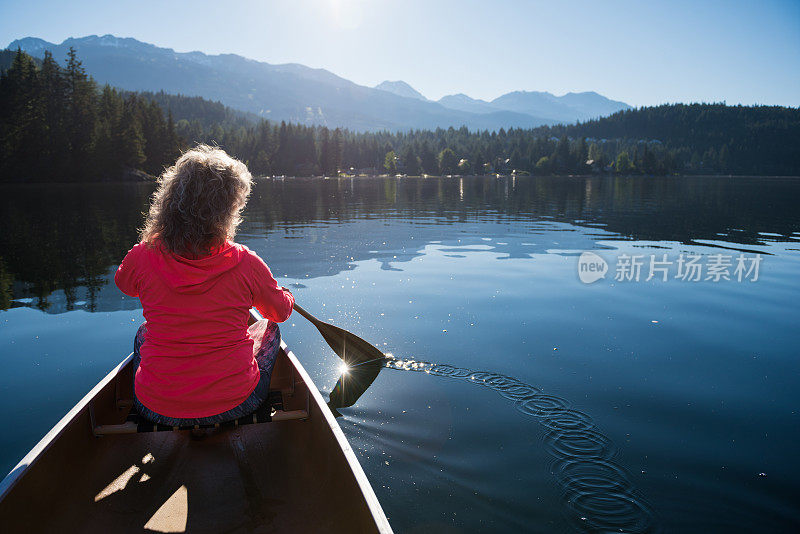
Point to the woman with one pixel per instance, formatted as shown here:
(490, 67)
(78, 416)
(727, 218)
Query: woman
(196, 360)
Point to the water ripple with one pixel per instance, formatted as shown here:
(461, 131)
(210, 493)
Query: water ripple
(540, 405)
(581, 444)
(596, 489)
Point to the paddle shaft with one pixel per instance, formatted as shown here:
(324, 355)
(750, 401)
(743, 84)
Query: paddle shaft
(305, 314)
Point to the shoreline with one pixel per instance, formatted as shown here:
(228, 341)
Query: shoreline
(148, 178)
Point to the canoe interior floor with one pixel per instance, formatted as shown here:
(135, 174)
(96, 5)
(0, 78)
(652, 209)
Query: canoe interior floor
(253, 479)
(283, 476)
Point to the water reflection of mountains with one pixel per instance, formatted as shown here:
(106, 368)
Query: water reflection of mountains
(60, 243)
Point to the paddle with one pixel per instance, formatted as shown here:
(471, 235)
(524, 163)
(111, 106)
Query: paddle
(350, 348)
(352, 384)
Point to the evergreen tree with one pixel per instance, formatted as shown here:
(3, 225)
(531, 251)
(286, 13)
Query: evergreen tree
(410, 160)
(130, 139)
(623, 164)
(53, 87)
(428, 160)
(724, 158)
(596, 155)
(561, 160)
(81, 94)
(19, 122)
(325, 156)
(649, 164)
(336, 150)
(448, 162)
(390, 162)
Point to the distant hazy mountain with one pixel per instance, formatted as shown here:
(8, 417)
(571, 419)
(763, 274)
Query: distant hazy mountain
(592, 105)
(400, 88)
(462, 102)
(529, 101)
(568, 108)
(294, 92)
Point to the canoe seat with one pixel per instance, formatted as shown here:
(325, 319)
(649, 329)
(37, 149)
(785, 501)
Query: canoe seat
(270, 410)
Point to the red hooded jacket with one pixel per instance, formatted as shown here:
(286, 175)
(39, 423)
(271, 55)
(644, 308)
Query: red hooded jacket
(197, 358)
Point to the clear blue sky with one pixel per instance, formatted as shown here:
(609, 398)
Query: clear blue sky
(641, 52)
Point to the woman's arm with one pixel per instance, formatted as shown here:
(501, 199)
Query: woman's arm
(126, 276)
(271, 300)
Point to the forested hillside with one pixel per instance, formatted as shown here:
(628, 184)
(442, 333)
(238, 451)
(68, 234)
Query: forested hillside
(57, 125)
(711, 137)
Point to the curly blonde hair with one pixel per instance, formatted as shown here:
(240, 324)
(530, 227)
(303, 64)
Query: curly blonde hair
(198, 203)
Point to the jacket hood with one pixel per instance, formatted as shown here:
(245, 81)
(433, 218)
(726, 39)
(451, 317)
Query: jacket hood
(195, 276)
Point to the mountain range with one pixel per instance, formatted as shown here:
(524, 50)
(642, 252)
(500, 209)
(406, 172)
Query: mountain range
(555, 109)
(300, 94)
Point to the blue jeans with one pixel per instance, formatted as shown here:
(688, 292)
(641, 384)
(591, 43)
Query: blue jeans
(265, 356)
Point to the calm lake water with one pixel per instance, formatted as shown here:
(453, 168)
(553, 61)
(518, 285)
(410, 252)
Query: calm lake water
(543, 404)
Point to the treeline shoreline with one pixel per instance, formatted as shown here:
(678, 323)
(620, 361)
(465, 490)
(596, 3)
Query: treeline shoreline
(57, 125)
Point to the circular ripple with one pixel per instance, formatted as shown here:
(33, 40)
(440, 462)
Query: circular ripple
(568, 420)
(460, 372)
(482, 377)
(611, 511)
(591, 474)
(518, 391)
(442, 369)
(594, 487)
(499, 382)
(540, 405)
(578, 444)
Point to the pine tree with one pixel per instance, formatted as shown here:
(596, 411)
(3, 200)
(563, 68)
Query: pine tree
(53, 85)
(448, 162)
(390, 162)
(130, 139)
(623, 164)
(410, 160)
(325, 158)
(428, 160)
(336, 150)
(561, 160)
(20, 125)
(80, 95)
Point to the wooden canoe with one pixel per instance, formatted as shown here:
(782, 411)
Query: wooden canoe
(295, 475)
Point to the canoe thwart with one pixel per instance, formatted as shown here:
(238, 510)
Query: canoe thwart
(270, 410)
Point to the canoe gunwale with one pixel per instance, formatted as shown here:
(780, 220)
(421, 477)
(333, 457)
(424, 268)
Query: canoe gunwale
(374, 505)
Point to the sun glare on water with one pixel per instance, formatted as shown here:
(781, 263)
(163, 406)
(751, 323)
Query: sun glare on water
(343, 368)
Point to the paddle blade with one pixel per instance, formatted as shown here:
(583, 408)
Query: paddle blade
(353, 383)
(350, 348)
